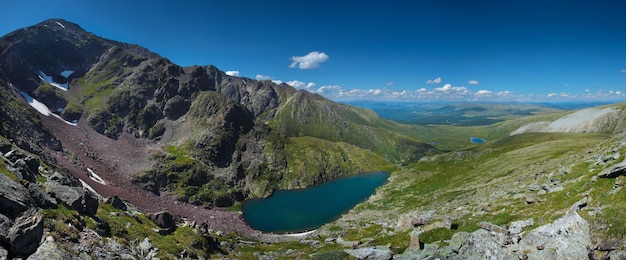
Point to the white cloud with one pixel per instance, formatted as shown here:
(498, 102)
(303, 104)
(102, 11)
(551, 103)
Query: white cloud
(434, 81)
(234, 73)
(623, 71)
(552, 95)
(472, 82)
(327, 89)
(449, 88)
(422, 90)
(484, 92)
(300, 85)
(277, 82)
(445, 88)
(375, 92)
(262, 77)
(389, 84)
(309, 61)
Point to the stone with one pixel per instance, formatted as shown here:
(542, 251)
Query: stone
(26, 233)
(608, 244)
(4, 254)
(347, 243)
(14, 155)
(76, 198)
(414, 237)
(568, 237)
(309, 242)
(518, 226)
(42, 199)
(23, 170)
(330, 240)
(482, 245)
(145, 245)
(534, 187)
(413, 219)
(49, 250)
(458, 239)
(492, 227)
(14, 198)
(370, 253)
(117, 203)
(162, 219)
(5, 224)
(5, 148)
(616, 170)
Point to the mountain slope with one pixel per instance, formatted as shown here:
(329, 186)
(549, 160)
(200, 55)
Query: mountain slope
(208, 138)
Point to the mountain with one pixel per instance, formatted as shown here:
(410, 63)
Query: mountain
(205, 137)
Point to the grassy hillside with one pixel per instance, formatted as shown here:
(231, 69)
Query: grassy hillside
(312, 160)
(307, 114)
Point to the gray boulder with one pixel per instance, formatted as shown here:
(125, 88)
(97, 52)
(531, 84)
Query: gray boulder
(484, 244)
(518, 226)
(162, 219)
(566, 238)
(615, 171)
(42, 199)
(76, 198)
(14, 198)
(370, 253)
(49, 250)
(25, 234)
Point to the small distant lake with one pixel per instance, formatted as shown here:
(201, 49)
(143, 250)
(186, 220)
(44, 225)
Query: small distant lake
(477, 140)
(310, 208)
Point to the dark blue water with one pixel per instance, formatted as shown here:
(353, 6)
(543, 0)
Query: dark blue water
(477, 140)
(310, 208)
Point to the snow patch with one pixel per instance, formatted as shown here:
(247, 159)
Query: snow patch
(60, 24)
(87, 186)
(42, 108)
(67, 73)
(92, 175)
(300, 234)
(48, 79)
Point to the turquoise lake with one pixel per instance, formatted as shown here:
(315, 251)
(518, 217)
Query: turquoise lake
(310, 208)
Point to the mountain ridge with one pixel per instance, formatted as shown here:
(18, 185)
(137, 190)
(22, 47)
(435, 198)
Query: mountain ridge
(238, 124)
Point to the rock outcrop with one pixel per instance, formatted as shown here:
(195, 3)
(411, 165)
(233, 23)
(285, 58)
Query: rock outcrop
(566, 238)
(26, 232)
(76, 198)
(48, 250)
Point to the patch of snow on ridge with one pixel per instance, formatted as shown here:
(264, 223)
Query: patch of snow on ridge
(48, 79)
(60, 24)
(583, 121)
(42, 108)
(92, 175)
(87, 186)
(67, 73)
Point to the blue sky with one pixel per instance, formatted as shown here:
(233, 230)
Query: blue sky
(381, 50)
